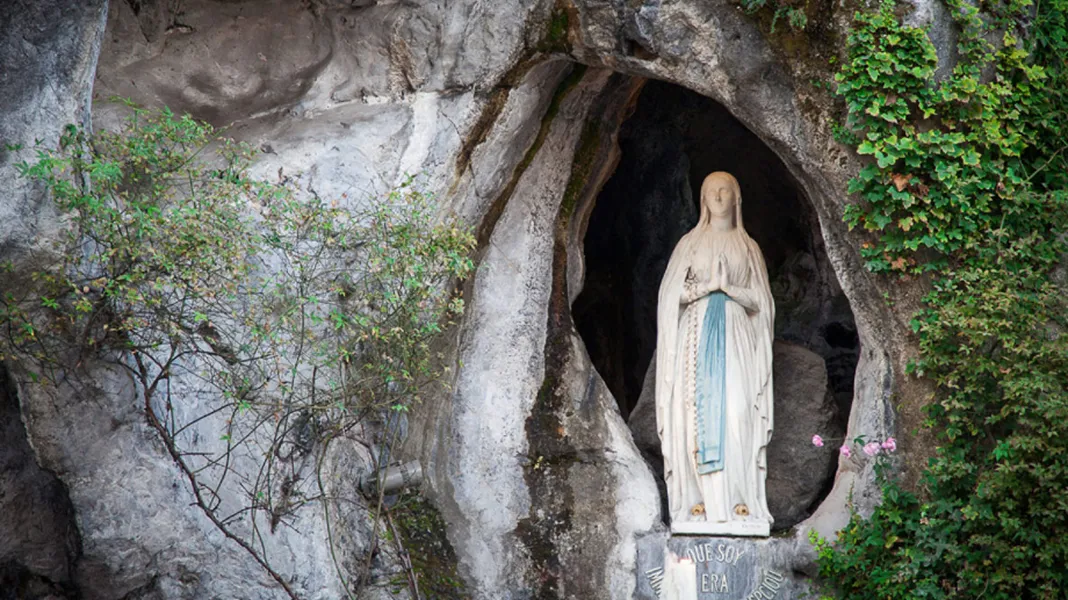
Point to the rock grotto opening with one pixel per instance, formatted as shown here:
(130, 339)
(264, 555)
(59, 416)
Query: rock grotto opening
(673, 139)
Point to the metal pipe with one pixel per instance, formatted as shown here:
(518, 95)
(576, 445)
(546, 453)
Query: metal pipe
(394, 478)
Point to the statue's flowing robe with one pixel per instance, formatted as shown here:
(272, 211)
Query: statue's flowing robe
(713, 381)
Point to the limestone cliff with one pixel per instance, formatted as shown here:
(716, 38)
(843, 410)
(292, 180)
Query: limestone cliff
(515, 114)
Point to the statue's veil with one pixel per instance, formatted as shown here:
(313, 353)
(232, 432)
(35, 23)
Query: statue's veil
(669, 410)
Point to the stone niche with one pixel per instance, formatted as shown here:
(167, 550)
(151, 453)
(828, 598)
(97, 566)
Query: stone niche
(672, 140)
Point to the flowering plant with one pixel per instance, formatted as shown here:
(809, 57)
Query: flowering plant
(870, 448)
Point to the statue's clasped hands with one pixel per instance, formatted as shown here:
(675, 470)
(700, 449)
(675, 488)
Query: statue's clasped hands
(694, 290)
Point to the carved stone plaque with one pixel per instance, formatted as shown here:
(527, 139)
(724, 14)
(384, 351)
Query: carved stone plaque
(728, 568)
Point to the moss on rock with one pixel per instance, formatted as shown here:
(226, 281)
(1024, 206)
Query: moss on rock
(422, 532)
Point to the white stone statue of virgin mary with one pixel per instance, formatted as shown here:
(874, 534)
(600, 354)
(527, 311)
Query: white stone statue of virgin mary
(715, 321)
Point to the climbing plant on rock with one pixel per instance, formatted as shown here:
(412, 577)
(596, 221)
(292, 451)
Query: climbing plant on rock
(968, 180)
(951, 157)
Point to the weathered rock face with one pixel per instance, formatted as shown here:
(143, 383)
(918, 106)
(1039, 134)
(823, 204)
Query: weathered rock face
(641, 212)
(48, 55)
(530, 420)
(799, 473)
(228, 61)
(38, 536)
(528, 458)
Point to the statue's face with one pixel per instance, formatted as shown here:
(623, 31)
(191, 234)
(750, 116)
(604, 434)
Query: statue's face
(719, 197)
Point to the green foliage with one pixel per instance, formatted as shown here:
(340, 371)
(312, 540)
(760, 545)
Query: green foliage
(993, 503)
(555, 38)
(558, 24)
(304, 316)
(968, 180)
(795, 16)
(145, 231)
(949, 157)
(163, 249)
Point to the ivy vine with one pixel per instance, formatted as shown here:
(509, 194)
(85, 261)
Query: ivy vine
(968, 181)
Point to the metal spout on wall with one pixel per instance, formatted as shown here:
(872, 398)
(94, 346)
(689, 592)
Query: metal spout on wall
(393, 478)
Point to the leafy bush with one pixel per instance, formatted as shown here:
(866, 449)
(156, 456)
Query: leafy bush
(302, 317)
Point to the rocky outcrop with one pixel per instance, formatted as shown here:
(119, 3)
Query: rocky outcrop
(48, 55)
(48, 58)
(39, 543)
(537, 459)
(528, 459)
(799, 473)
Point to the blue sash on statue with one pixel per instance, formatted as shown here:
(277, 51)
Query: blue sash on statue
(712, 385)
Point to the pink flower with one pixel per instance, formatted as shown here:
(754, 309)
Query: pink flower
(890, 444)
(871, 448)
(817, 441)
(845, 450)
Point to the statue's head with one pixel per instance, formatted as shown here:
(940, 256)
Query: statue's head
(721, 197)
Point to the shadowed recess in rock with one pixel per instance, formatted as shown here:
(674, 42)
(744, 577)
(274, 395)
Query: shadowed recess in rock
(674, 138)
(39, 543)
